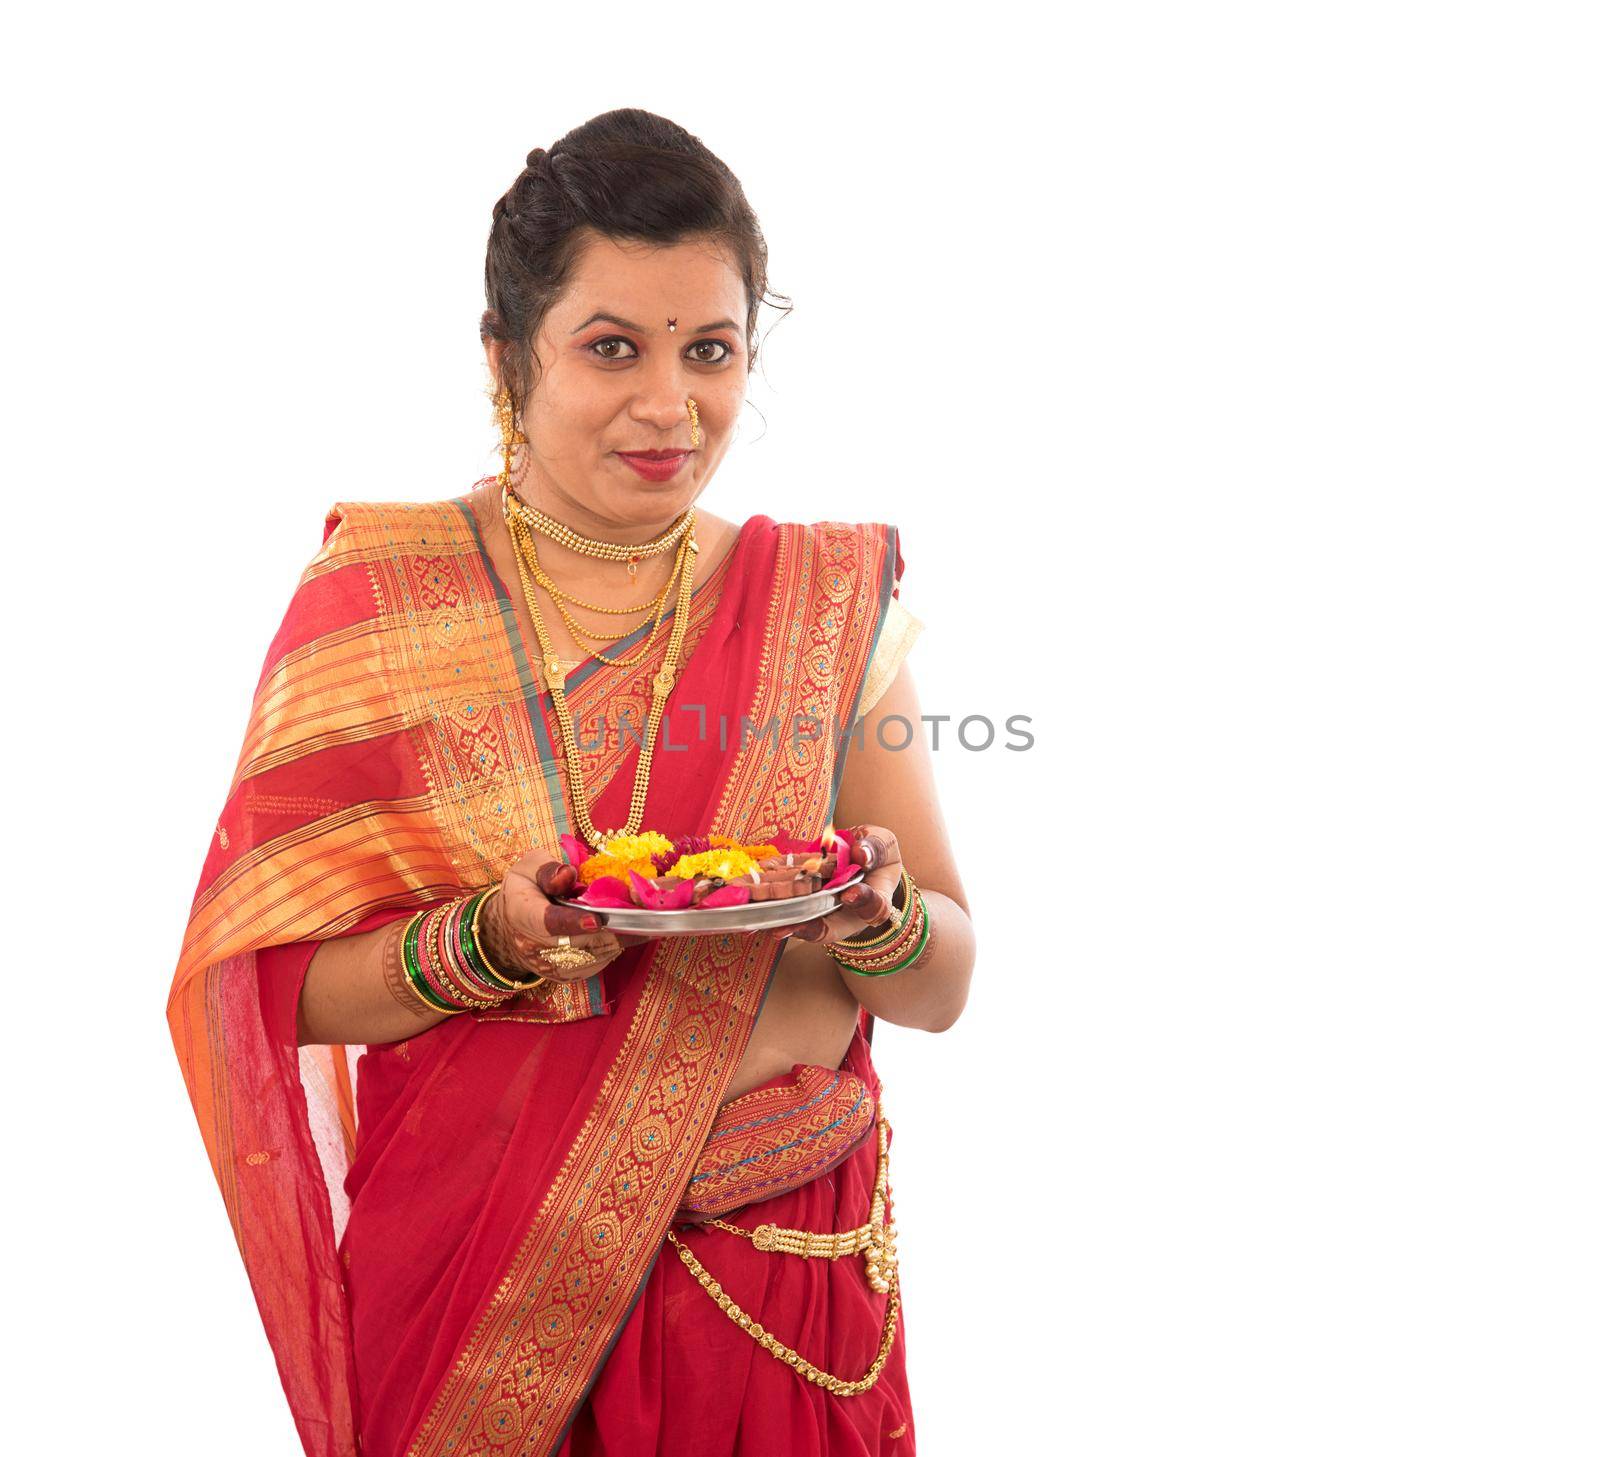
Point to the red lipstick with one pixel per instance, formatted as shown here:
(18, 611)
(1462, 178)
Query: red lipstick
(654, 465)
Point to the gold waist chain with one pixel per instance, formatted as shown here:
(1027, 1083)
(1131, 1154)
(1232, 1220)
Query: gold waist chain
(874, 1240)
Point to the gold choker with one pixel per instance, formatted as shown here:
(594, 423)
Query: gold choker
(611, 551)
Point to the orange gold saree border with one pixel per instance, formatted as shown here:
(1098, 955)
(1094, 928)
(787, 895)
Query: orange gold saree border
(436, 655)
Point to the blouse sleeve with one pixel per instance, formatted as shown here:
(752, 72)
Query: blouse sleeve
(900, 629)
(281, 975)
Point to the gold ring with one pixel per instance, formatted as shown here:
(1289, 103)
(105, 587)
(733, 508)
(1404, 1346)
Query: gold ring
(564, 956)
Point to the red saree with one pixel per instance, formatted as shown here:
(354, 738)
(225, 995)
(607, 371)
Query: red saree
(456, 1243)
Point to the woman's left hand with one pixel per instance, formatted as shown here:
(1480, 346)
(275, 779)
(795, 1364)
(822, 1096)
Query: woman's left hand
(868, 902)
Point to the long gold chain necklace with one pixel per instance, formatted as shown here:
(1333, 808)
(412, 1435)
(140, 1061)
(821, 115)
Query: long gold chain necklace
(875, 1240)
(660, 686)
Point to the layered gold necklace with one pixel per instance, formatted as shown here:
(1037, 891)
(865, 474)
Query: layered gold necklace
(522, 521)
(531, 521)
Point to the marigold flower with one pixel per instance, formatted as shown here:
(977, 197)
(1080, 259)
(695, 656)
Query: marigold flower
(601, 864)
(723, 864)
(643, 846)
(653, 855)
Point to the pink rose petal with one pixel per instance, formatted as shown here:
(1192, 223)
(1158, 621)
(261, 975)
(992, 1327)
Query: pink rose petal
(846, 866)
(606, 891)
(652, 897)
(725, 895)
(575, 850)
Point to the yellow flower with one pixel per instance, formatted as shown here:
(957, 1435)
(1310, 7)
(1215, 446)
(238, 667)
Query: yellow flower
(636, 847)
(728, 860)
(724, 864)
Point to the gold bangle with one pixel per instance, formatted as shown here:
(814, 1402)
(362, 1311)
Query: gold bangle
(482, 950)
(461, 994)
(898, 957)
(853, 953)
(896, 919)
(892, 956)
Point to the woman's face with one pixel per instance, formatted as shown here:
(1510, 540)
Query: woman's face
(619, 383)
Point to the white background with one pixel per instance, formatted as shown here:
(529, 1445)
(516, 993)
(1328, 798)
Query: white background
(1231, 374)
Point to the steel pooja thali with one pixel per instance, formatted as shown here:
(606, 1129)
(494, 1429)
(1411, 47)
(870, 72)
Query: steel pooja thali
(751, 916)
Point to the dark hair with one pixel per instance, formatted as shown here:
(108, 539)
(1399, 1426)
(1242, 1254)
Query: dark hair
(628, 175)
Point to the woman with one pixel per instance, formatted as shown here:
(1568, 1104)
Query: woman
(525, 1221)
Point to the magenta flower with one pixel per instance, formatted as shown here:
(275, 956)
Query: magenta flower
(846, 867)
(606, 892)
(724, 895)
(653, 897)
(789, 845)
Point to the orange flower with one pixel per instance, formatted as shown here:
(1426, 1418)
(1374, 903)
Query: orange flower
(597, 865)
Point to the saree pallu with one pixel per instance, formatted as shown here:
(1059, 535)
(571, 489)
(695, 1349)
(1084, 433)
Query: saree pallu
(454, 1242)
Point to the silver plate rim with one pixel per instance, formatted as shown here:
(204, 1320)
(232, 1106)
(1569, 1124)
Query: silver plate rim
(752, 916)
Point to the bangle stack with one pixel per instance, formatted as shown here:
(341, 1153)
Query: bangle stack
(445, 964)
(896, 947)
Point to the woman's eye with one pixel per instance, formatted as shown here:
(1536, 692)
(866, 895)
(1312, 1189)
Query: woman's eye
(702, 351)
(602, 347)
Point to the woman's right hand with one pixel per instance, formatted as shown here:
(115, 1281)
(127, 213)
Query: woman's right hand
(526, 916)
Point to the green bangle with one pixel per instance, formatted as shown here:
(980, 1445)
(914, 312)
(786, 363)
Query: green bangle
(413, 966)
(916, 951)
(472, 947)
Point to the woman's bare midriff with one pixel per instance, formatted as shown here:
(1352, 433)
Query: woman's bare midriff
(809, 1016)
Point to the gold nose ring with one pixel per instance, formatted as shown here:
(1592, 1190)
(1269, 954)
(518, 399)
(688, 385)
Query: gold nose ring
(694, 422)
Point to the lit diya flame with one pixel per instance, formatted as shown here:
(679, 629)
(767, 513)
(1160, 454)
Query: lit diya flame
(829, 839)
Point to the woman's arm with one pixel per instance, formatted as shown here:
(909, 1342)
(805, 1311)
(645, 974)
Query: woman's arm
(895, 788)
(355, 992)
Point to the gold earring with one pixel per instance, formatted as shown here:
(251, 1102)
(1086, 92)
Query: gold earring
(509, 434)
(694, 422)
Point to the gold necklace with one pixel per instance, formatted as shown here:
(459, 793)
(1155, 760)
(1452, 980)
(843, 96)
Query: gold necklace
(660, 686)
(523, 544)
(611, 551)
(543, 579)
(875, 1240)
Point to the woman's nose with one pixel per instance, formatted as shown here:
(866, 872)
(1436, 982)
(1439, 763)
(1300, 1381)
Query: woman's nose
(662, 397)
(662, 413)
